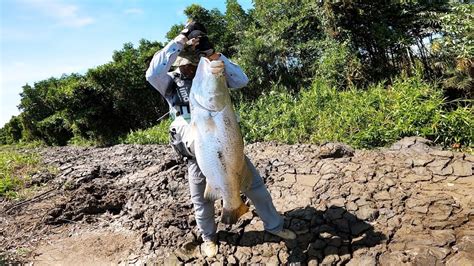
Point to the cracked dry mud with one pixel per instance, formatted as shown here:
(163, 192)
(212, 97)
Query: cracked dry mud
(410, 204)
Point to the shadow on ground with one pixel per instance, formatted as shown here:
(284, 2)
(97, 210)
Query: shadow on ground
(321, 235)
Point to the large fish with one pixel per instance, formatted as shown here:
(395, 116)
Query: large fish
(218, 143)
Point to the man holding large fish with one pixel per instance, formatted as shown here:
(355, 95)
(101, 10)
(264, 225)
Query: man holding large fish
(206, 133)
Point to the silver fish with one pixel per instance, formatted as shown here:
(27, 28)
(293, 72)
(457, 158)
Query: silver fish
(218, 143)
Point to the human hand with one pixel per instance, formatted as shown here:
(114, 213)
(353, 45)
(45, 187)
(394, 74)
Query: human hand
(204, 47)
(181, 39)
(193, 30)
(217, 66)
(193, 42)
(214, 56)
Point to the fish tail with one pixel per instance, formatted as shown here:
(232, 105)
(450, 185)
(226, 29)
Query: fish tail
(231, 216)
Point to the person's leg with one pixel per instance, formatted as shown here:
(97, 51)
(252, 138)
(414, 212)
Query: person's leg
(261, 199)
(203, 209)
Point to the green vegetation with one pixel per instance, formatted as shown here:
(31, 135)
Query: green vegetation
(363, 72)
(82, 142)
(16, 165)
(154, 135)
(367, 118)
(99, 107)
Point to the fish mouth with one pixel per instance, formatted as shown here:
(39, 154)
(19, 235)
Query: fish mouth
(217, 67)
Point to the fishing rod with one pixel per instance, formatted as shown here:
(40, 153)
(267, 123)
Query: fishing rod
(163, 116)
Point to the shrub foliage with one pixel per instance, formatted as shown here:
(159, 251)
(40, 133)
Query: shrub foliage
(367, 118)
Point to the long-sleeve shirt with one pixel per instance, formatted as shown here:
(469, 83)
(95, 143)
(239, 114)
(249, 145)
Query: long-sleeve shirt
(161, 79)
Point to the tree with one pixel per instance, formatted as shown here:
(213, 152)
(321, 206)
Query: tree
(281, 44)
(387, 35)
(237, 22)
(107, 102)
(115, 97)
(453, 51)
(42, 102)
(12, 131)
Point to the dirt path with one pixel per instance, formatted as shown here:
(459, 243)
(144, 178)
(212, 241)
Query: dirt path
(128, 204)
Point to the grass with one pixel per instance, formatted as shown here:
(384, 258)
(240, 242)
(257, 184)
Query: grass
(82, 142)
(16, 166)
(369, 118)
(154, 135)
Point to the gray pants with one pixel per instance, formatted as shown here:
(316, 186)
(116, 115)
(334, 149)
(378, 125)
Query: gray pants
(204, 209)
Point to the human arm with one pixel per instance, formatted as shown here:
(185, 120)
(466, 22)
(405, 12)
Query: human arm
(164, 59)
(161, 63)
(235, 76)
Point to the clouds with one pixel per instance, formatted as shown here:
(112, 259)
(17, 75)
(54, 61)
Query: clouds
(62, 13)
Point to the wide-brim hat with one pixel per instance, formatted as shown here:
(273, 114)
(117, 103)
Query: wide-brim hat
(182, 61)
(186, 57)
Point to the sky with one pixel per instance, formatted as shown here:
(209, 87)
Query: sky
(40, 39)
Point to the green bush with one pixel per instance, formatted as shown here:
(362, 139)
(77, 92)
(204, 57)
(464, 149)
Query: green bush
(456, 127)
(362, 118)
(154, 135)
(338, 65)
(11, 132)
(55, 130)
(262, 119)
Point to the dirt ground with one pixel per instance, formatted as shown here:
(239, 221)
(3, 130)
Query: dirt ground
(410, 204)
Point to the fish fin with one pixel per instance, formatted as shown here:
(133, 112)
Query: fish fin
(210, 193)
(247, 178)
(231, 216)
